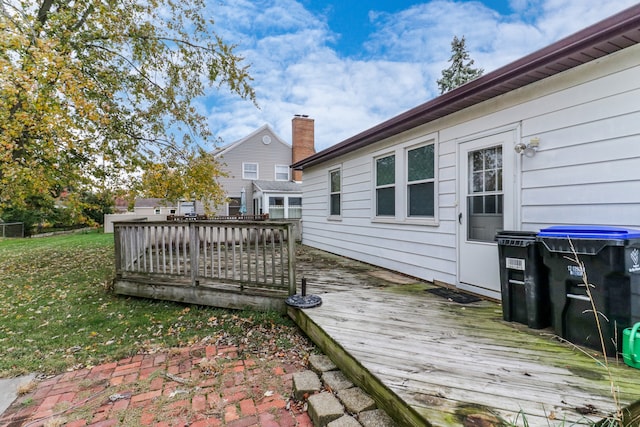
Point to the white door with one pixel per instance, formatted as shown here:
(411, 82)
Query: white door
(486, 167)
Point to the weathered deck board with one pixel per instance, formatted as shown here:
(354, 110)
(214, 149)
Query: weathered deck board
(448, 361)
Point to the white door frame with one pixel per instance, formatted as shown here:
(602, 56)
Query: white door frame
(487, 268)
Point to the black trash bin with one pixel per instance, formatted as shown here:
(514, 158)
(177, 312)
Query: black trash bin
(524, 279)
(607, 254)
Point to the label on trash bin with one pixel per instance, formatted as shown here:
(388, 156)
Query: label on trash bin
(574, 270)
(515, 263)
(635, 261)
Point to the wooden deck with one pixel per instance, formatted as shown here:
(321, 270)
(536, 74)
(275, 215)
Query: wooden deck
(430, 361)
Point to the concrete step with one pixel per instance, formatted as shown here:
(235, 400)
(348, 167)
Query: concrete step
(333, 400)
(324, 408)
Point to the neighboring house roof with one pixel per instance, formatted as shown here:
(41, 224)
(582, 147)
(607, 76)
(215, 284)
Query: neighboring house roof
(278, 186)
(218, 152)
(603, 38)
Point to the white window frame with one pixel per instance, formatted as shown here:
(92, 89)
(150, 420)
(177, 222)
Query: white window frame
(385, 186)
(266, 201)
(408, 183)
(245, 171)
(331, 193)
(282, 169)
(401, 152)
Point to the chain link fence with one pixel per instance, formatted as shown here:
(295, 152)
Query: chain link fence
(11, 229)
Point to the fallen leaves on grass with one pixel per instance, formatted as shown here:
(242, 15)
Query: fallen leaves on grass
(56, 314)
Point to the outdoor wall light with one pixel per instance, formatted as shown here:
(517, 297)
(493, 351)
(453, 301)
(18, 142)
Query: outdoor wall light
(530, 149)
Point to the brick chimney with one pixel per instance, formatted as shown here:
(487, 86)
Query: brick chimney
(302, 141)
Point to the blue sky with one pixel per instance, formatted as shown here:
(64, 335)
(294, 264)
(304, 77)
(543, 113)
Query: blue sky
(351, 64)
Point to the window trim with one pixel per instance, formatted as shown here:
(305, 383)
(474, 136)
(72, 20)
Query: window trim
(401, 152)
(275, 172)
(385, 186)
(408, 183)
(244, 171)
(331, 216)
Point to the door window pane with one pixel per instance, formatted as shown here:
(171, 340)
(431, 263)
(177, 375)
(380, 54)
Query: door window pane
(485, 198)
(234, 205)
(490, 181)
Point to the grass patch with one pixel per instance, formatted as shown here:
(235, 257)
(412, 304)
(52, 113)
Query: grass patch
(57, 311)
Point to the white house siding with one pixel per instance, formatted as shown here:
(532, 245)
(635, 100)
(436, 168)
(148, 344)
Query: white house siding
(587, 169)
(418, 250)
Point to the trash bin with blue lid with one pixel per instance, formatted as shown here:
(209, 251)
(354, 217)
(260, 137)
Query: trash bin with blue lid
(523, 279)
(608, 255)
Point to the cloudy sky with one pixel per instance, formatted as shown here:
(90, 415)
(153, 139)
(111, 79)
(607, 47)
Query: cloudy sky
(351, 64)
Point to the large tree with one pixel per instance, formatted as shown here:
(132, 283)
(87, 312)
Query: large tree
(93, 92)
(461, 69)
(188, 178)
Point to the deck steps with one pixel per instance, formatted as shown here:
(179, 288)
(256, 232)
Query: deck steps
(333, 400)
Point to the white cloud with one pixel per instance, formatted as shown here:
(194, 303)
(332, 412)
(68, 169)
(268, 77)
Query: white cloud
(297, 71)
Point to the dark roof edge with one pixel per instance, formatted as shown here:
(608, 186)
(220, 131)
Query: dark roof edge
(592, 35)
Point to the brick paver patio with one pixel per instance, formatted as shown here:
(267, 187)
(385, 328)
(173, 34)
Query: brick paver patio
(196, 386)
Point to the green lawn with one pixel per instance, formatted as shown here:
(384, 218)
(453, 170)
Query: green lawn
(57, 311)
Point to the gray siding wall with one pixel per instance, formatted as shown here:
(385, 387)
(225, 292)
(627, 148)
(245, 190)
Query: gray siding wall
(253, 150)
(587, 170)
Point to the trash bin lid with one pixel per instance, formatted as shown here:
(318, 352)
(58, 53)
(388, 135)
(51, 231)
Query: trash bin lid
(516, 238)
(590, 232)
(513, 233)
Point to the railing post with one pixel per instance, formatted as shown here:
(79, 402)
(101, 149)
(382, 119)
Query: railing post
(291, 249)
(194, 252)
(118, 250)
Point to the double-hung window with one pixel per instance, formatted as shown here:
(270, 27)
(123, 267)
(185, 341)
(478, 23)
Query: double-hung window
(405, 182)
(282, 173)
(386, 186)
(420, 181)
(250, 171)
(335, 191)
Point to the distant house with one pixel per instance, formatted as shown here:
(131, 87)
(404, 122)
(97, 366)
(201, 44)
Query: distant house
(159, 206)
(259, 171)
(154, 206)
(552, 138)
(121, 205)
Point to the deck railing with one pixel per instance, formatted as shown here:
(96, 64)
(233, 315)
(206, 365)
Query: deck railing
(256, 255)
